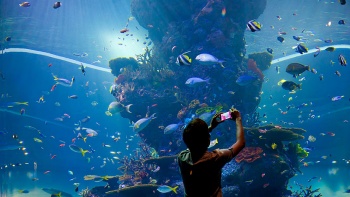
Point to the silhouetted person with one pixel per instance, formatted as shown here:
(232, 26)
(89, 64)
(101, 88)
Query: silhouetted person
(201, 169)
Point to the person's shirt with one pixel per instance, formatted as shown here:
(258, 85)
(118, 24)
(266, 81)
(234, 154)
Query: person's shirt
(203, 177)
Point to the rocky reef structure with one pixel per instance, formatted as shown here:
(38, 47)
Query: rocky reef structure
(263, 60)
(155, 84)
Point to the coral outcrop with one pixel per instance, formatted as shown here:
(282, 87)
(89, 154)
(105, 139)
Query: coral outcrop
(249, 154)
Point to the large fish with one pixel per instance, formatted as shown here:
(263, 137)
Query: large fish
(290, 85)
(296, 69)
(194, 81)
(116, 107)
(172, 128)
(207, 59)
(142, 123)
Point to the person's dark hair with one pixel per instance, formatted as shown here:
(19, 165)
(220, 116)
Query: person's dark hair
(196, 135)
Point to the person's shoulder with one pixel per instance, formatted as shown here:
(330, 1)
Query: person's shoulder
(183, 153)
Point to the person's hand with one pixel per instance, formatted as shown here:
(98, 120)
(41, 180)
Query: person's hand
(215, 121)
(235, 113)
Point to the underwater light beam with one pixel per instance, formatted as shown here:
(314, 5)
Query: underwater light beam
(339, 46)
(23, 50)
(32, 117)
(30, 51)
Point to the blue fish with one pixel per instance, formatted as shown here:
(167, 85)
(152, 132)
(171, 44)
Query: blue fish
(245, 80)
(269, 50)
(280, 38)
(341, 22)
(297, 38)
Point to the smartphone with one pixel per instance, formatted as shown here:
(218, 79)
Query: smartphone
(225, 116)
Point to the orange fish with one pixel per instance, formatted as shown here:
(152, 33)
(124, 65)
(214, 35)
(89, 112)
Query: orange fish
(73, 140)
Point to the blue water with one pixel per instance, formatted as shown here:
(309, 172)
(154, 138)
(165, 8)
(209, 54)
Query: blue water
(92, 27)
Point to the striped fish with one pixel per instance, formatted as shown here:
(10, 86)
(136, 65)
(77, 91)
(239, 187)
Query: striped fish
(254, 26)
(342, 60)
(183, 59)
(301, 48)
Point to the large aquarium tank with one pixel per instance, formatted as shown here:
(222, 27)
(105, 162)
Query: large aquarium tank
(95, 95)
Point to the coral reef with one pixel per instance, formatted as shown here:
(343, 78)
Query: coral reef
(120, 63)
(253, 67)
(263, 60)
(306, 192)
(276, 134)
(249, 154)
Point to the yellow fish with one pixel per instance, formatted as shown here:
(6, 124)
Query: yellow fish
(273, 146)
(290, 98)
(82, 151)
(38, 140)
(281, 81)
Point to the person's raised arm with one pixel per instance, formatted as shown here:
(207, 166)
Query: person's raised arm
(214, 122)
(240, 140)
